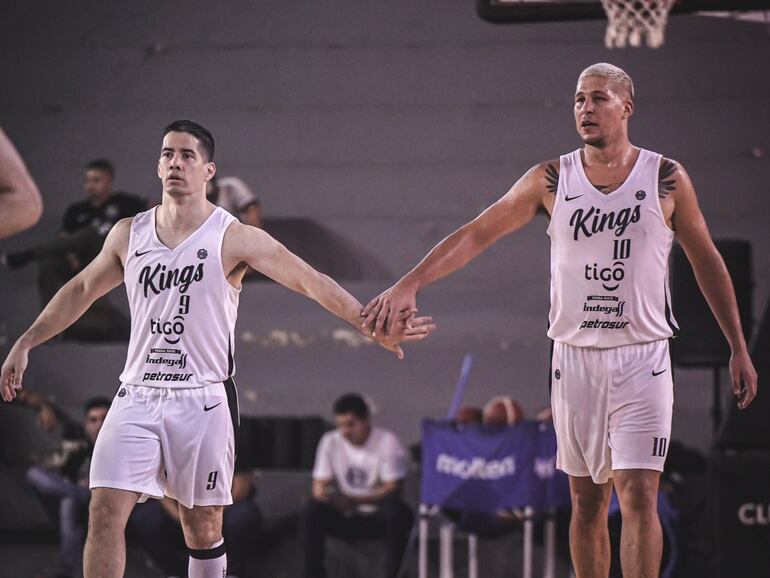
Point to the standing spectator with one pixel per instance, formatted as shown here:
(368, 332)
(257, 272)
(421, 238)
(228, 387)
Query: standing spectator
(65, 486)
(357, 482)
(84, 228)
(235, 197)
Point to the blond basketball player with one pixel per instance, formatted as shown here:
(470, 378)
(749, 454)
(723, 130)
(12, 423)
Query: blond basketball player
(172, 426)
(614, 211)
(20, 201)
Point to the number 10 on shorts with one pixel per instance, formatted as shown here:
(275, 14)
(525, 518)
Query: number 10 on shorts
(659, 447)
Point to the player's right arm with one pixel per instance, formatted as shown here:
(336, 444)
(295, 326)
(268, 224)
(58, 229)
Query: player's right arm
(508, 214)
(104, 273)
(20, 203)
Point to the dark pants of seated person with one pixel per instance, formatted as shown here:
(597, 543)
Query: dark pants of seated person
(102, 321)
(71, 506)
(152, 529)
(391, 522)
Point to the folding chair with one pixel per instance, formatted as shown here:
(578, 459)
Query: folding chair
(486, 470)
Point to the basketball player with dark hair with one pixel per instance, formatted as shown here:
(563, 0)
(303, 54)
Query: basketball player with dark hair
(20, 203)
(614, 211)
(172, 425)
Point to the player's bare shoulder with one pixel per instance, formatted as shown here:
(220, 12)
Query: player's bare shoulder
(675, 192)
(546, 176)
(244, 243)
(117, 239)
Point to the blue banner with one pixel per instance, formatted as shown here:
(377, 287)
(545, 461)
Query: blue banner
(481, 469)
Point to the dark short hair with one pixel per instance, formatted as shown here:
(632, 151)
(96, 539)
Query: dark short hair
(101, 165)
(201, 133)
(95, 402)
(351, 403)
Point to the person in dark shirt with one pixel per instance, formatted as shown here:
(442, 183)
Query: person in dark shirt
(62, 483)
(84, 227)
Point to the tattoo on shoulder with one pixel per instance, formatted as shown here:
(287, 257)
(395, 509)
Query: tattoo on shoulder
(551, 178)
(666, 180)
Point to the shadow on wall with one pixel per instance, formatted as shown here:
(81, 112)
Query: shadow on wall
(326, 250)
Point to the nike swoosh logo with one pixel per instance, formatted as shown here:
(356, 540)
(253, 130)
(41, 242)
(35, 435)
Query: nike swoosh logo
(207, 408)
(568, 198)
(138, 254)
(654, 373)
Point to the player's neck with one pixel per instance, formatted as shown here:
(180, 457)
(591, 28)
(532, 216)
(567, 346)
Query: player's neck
(183, 213)
(614, 154)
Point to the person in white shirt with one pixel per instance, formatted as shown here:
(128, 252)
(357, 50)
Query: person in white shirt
(235, 197)
(172, 425)
(614, 210)
(357, 482)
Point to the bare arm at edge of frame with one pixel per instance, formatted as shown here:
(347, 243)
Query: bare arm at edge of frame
(20, 202)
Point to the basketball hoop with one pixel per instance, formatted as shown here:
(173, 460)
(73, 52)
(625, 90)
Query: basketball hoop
(629, 21)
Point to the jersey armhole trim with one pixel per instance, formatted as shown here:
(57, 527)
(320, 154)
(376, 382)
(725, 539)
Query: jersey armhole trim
(662, 216)
(227, 283)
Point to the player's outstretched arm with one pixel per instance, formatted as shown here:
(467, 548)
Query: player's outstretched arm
(20, 201)
(713, 279)
(104, 273)
(511, 212)
(260, 251)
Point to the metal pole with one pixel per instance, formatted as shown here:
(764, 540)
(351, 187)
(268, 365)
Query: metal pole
(549, 529)
(422, 563)
(528, 541)
(473, 556)
(446, 566)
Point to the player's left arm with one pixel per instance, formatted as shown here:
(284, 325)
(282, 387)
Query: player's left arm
(711, 273)
(262, 252)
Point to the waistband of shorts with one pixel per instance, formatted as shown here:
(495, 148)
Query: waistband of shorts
(151, 390)
(608, 349)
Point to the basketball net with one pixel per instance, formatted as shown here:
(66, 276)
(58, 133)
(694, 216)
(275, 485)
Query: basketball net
(628, 21)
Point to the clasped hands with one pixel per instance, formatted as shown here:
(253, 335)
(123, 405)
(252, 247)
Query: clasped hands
(391, 318)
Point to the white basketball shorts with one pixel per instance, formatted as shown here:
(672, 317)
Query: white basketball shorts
(178, 442)
(611, 408)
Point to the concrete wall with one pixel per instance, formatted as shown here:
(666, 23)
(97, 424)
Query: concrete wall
(391, 123)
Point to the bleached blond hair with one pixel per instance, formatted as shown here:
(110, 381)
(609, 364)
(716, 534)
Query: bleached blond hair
(614, 73)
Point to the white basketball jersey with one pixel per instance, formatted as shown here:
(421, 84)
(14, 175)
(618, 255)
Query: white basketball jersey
(183, 309)
(609, 259)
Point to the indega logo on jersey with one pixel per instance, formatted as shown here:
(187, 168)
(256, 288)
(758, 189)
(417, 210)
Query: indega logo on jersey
(159, 279)
(595, 221)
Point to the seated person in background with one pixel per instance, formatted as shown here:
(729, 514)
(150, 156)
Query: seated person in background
(469, 415)
(84, 227)
(357, 482)
(155, 526)
(502, 411)
(235, 197)
(63, 483)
